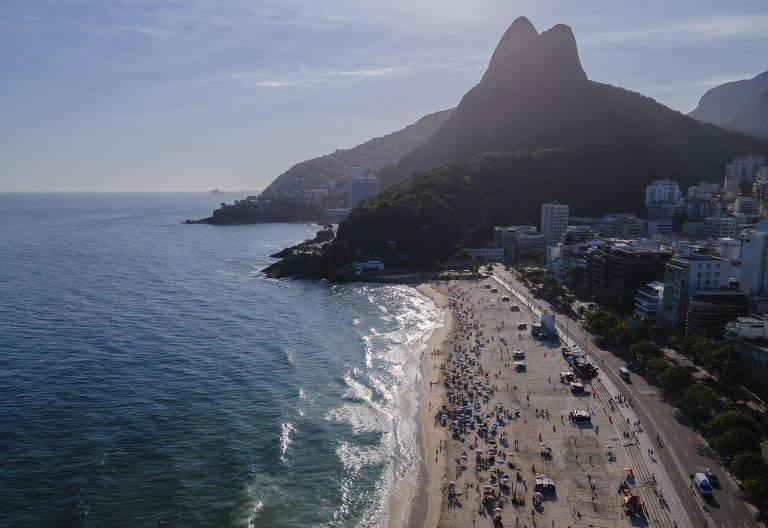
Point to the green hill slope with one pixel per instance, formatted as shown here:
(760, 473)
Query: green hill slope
(429, 213)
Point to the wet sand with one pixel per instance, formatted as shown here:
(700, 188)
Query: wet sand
(417, 504)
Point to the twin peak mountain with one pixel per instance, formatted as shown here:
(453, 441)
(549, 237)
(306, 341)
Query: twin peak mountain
(535, 94)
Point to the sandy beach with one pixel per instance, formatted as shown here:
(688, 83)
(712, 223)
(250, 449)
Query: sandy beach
(479, 479)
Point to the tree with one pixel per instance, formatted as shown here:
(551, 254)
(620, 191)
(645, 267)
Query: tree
(757, 489)
(727, 420)
(621, 335)
(338, 252)
(474, 267)
(646, 350)
(602, 323)
(700, 401)
(462, 255)
(735, 441)
(675, 379)
(749, 464)
(720, 359)
(656, 366)
(536, 277)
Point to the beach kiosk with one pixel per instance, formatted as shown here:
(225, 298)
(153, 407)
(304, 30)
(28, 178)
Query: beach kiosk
(544, 484)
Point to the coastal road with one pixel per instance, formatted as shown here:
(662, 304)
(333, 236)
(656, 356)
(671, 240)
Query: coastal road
(687, 453)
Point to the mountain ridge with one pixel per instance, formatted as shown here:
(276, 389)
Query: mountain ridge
(738, 105)
(370, 156)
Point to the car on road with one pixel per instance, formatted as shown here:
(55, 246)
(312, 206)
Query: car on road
(705, 488)
(624, 374)
(712, 478)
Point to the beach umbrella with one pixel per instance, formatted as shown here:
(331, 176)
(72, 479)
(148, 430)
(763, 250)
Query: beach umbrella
(463, 457)
(497, 510)
(538, 496)
(499, 461)
(608, 446)
(451, 484)
(479, 452)
(547, 448)
(487, 488)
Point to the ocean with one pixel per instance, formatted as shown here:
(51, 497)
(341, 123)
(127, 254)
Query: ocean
(151, 376)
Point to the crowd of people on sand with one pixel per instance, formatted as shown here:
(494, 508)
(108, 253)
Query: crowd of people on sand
(475, 421)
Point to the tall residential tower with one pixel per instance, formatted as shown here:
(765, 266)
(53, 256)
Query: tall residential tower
(554, 221)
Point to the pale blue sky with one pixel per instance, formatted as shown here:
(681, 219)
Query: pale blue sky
(107, 95)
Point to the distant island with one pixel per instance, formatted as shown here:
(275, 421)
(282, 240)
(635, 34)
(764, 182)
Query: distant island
(217, 191)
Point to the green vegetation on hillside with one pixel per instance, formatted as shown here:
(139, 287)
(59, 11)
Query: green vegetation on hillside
(429, 213)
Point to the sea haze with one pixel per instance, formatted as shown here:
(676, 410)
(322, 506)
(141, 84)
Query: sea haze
(148, 372)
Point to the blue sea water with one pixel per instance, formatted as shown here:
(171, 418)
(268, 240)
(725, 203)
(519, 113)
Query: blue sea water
(149, 373)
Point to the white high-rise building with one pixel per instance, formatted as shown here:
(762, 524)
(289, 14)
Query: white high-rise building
(754, 259)
(662, 191)
(554, 221)
(361, 187)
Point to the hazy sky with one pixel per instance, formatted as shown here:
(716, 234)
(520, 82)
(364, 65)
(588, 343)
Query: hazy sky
(196, 94)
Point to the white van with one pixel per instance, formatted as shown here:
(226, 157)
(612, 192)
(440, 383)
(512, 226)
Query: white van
(624, 373)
